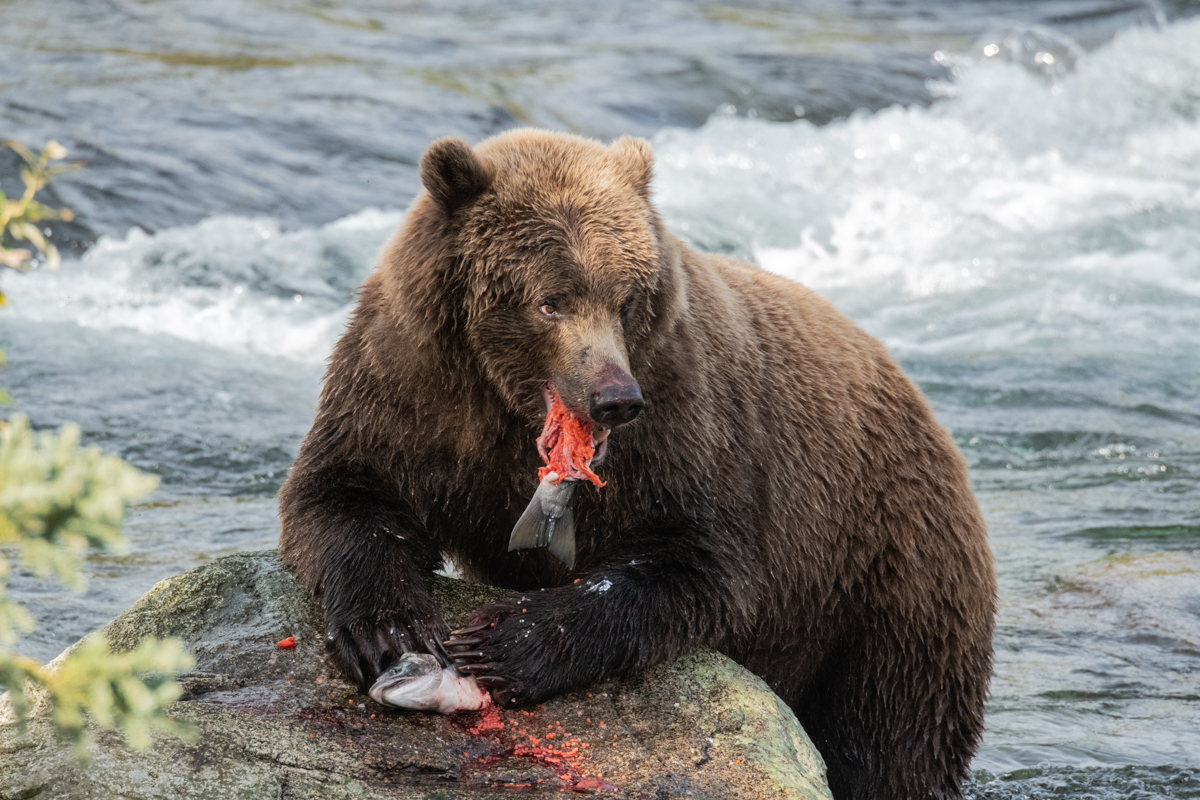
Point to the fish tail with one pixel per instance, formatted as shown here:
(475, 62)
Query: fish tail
(534, 528)
(537, 528)
(562, 542)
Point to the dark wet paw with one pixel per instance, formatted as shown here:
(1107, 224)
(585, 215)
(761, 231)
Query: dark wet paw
(363, 649)
(507, 692)
(499, 648)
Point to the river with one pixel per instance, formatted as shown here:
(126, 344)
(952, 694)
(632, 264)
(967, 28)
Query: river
(1006, 193)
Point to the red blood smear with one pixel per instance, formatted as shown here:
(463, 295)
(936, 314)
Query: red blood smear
(564, 760)
(545, 753)
(566, 445)
(288, 642)
(488, 721)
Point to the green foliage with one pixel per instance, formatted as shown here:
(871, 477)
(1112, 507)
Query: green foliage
(127, 691)
(56, 501)
(19, 216)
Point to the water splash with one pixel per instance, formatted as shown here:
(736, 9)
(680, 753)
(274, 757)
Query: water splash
(236, 284)
(1016, 212)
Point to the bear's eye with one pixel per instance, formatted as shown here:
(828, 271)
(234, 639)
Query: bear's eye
(548, 308)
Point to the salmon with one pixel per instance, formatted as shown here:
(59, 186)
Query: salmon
(418, 682)
(568, 446)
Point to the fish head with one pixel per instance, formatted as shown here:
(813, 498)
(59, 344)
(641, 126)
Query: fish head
(409, 679)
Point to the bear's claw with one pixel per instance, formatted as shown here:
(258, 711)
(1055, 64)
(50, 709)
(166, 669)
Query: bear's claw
(454, 641)
(492, 681)
(435, 648)
(363, 649)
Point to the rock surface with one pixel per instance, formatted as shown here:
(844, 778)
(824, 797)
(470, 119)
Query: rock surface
(281, 723)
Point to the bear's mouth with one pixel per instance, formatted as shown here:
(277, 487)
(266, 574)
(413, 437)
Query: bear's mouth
(600, 443)
(599, 432)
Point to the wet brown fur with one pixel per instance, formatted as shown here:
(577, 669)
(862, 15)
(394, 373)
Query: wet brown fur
(785, 497)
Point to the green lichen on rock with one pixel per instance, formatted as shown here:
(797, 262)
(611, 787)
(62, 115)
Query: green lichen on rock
(280, 722)
(736, 733)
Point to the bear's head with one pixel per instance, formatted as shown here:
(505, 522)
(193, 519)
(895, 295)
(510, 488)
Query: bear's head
(538, 256)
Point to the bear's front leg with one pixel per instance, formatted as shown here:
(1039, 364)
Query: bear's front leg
(376, 609)
(364, 560)
(615, 621)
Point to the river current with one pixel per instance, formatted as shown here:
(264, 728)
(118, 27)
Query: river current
(1007, 194)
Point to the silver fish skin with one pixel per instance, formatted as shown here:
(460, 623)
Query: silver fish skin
(418, 682)
(548, 520)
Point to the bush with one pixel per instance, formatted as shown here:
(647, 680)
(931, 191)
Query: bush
(19, 217)
(57, 500)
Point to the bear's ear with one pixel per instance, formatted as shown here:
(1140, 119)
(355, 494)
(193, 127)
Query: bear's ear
(636, 160)
(453, 174)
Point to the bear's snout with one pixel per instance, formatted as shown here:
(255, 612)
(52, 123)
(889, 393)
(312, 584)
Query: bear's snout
(616, 399)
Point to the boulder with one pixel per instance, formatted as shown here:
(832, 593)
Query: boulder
(277, 723)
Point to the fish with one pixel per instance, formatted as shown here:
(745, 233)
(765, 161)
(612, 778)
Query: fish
(418, 682)
(548, 520)
(569, 447)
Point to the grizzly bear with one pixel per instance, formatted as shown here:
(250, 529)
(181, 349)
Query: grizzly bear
(776, 488)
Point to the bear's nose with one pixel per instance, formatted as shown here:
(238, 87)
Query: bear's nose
(616, 403)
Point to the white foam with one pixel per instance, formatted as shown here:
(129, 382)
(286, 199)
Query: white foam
(1020, 209)
(237, 284)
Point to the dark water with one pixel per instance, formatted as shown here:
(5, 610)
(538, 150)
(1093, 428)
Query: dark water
(308, 111)
(1022, 231)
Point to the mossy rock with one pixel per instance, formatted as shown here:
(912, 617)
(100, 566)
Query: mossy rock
(282, 723)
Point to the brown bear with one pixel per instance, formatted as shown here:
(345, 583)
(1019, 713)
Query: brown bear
(776, 488)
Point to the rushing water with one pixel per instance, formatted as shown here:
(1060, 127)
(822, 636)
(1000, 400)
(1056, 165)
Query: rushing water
(1022, 231)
